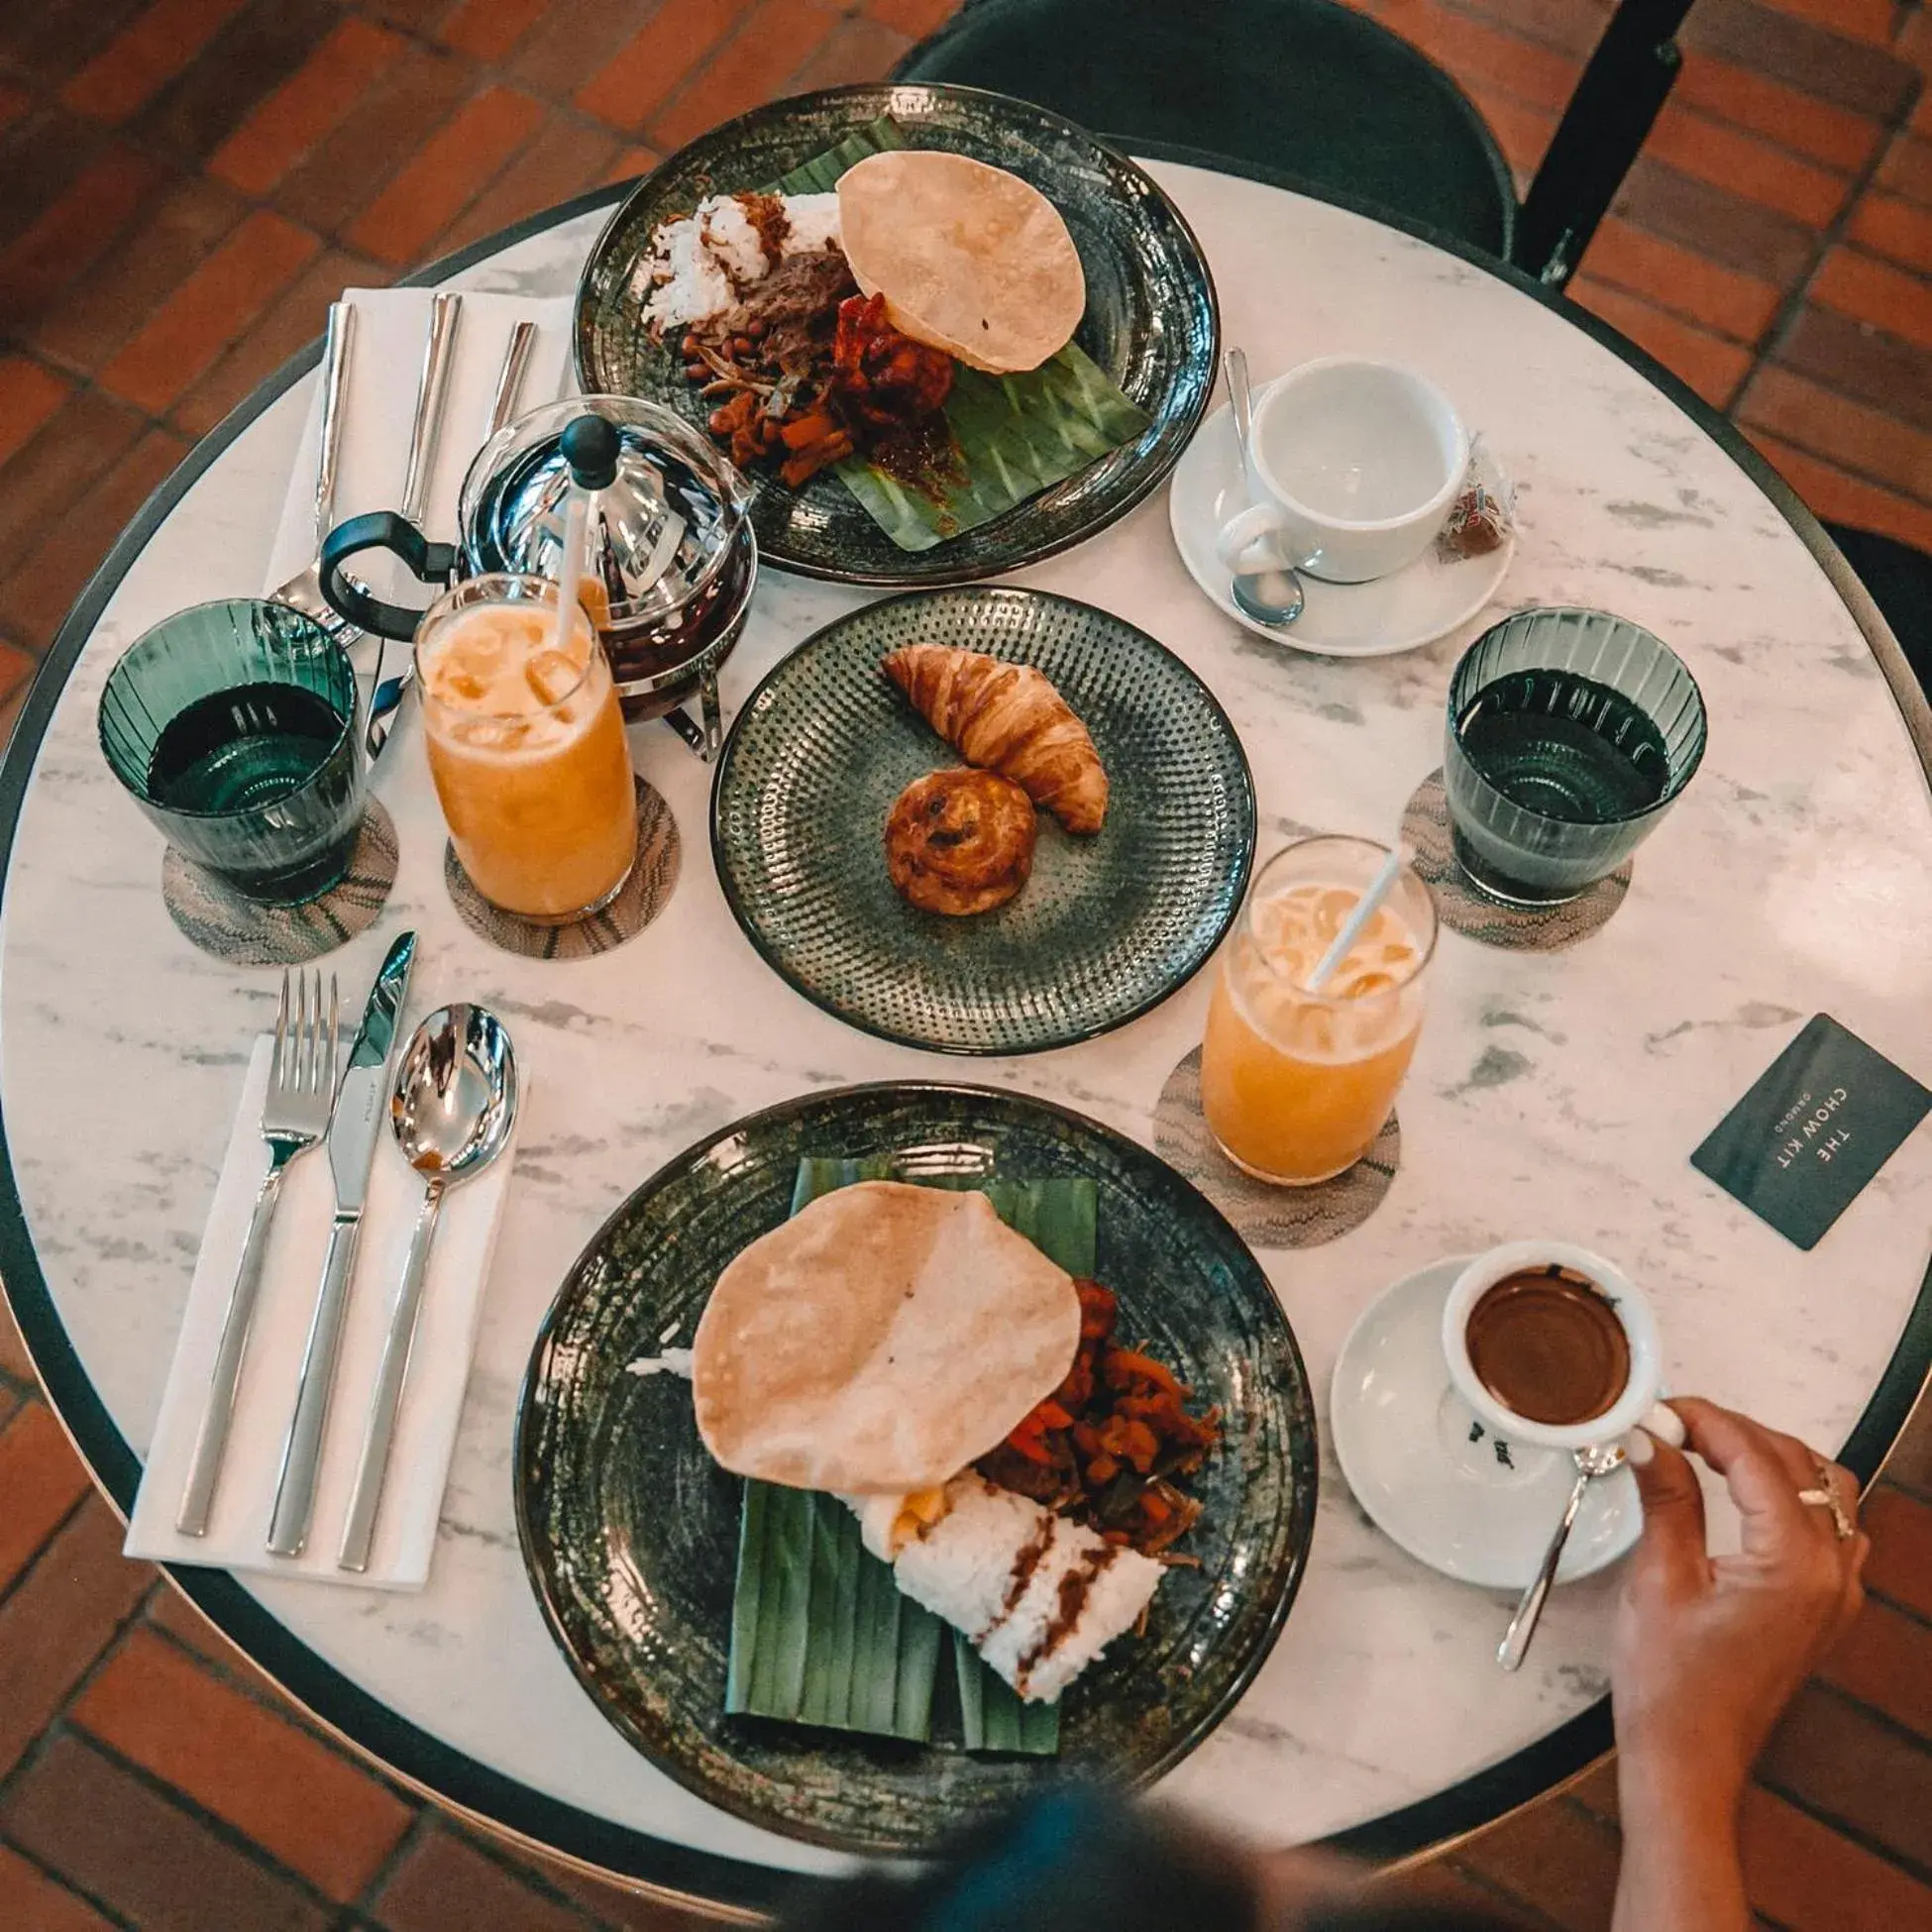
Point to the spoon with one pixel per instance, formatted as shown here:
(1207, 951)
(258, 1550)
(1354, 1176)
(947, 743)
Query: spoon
(1592, 1463)
(451, 1112)
(1269, 596)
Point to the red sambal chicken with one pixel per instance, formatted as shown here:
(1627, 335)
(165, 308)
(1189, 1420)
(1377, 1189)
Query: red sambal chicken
(1107, 1444)
(885, 381)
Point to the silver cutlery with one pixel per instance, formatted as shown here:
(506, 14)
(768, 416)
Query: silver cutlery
(295, 1110)
(432, 392)
(451, 1112)
(1269, 596)
(389, 693)
(303, 590)
(517, 359)
(1590, 1463)
(353, 1132)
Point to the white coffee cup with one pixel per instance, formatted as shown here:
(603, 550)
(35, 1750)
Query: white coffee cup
(1361, 461)
(1637, 1405)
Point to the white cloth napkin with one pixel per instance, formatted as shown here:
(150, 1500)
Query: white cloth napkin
(385, 363)
(432, 1398)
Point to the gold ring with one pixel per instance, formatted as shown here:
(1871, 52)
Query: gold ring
(1844, 1526)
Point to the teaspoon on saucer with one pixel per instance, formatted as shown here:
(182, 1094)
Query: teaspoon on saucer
(1270, 596)
(451, 1110)
(1590, 1463)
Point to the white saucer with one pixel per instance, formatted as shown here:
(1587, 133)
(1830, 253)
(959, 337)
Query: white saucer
(1428, 1473)
(1402, 613)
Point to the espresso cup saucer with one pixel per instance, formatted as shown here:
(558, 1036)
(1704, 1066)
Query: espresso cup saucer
(1434, 1479)
(1401, 612)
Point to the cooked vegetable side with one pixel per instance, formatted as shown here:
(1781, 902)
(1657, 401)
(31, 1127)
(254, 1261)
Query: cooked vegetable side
(1108, 1444)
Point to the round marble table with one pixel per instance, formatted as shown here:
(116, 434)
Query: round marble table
(1553, 1092)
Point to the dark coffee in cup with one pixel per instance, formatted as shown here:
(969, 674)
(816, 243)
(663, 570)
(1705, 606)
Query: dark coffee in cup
(1547, 1346)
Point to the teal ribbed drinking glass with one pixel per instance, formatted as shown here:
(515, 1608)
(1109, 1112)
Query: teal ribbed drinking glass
(1571, 734)
(233, 725)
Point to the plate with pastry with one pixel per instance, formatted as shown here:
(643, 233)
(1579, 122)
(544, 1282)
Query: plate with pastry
(942, 332)
(990, 1457)
(985, 821)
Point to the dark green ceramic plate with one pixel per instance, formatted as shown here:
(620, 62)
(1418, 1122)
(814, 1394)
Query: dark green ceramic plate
(1150, 322)
(1106, 927)
(631, 1530)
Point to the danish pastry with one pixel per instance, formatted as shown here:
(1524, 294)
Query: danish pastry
(960, 841)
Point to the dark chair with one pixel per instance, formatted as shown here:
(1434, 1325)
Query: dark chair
(1899, 579)
(1319, 92)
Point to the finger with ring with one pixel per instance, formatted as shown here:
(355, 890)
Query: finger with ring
(1825, 1496)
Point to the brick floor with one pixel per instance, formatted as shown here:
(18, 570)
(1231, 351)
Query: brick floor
(153, 1705)
(189, 182)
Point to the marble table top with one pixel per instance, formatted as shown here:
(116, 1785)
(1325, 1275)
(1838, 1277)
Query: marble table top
(1552, 1093)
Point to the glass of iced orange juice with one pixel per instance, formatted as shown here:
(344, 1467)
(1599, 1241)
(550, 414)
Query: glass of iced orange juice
(526, 745)
(1296, 1085)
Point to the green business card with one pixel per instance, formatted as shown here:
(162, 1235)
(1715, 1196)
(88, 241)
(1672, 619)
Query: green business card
(1799, 1149)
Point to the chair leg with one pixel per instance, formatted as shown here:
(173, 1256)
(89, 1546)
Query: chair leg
(1609, 117)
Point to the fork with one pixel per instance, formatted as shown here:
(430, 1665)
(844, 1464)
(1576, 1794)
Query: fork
(303, 590)
(295, 1111)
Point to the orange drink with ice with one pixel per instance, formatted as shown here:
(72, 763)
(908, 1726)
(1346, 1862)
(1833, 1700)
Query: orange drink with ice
(1296, 1085)
(526, 745)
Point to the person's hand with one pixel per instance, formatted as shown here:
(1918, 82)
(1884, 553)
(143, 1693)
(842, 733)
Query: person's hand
(1708, 1651)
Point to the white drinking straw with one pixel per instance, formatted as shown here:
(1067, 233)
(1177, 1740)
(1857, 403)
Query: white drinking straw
(570, 574)
(1365, 910)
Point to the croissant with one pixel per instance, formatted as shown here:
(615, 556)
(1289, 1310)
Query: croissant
(1007, 718)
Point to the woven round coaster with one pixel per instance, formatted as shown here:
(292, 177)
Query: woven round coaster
(213, 916)
(1462, 905)
(1264, 1216)
(644, 894)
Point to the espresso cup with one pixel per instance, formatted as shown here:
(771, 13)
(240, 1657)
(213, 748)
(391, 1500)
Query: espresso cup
(1358, 464)
(1572, 1272)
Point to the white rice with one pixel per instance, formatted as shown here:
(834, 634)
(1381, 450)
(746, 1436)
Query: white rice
(962, 1569)
(733, 240)
(1113, 1602)
(700, 267)
(691, 283)
(811, 222)
(878, 1519)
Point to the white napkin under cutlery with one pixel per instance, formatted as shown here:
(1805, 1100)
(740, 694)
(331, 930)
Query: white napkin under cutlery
(432, 1399)
(378, 403)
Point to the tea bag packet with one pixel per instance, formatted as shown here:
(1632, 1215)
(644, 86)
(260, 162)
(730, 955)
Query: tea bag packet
(1481, 519)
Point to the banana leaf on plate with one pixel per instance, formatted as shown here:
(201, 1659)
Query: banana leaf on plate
(819, 1632)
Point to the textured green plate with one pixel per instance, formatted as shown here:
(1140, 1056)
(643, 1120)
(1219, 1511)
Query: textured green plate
(1151, 322)
(1106, 927)
(630, 1531)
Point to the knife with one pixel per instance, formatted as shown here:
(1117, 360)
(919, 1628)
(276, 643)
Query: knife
(432, 392)
(353, 1132)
